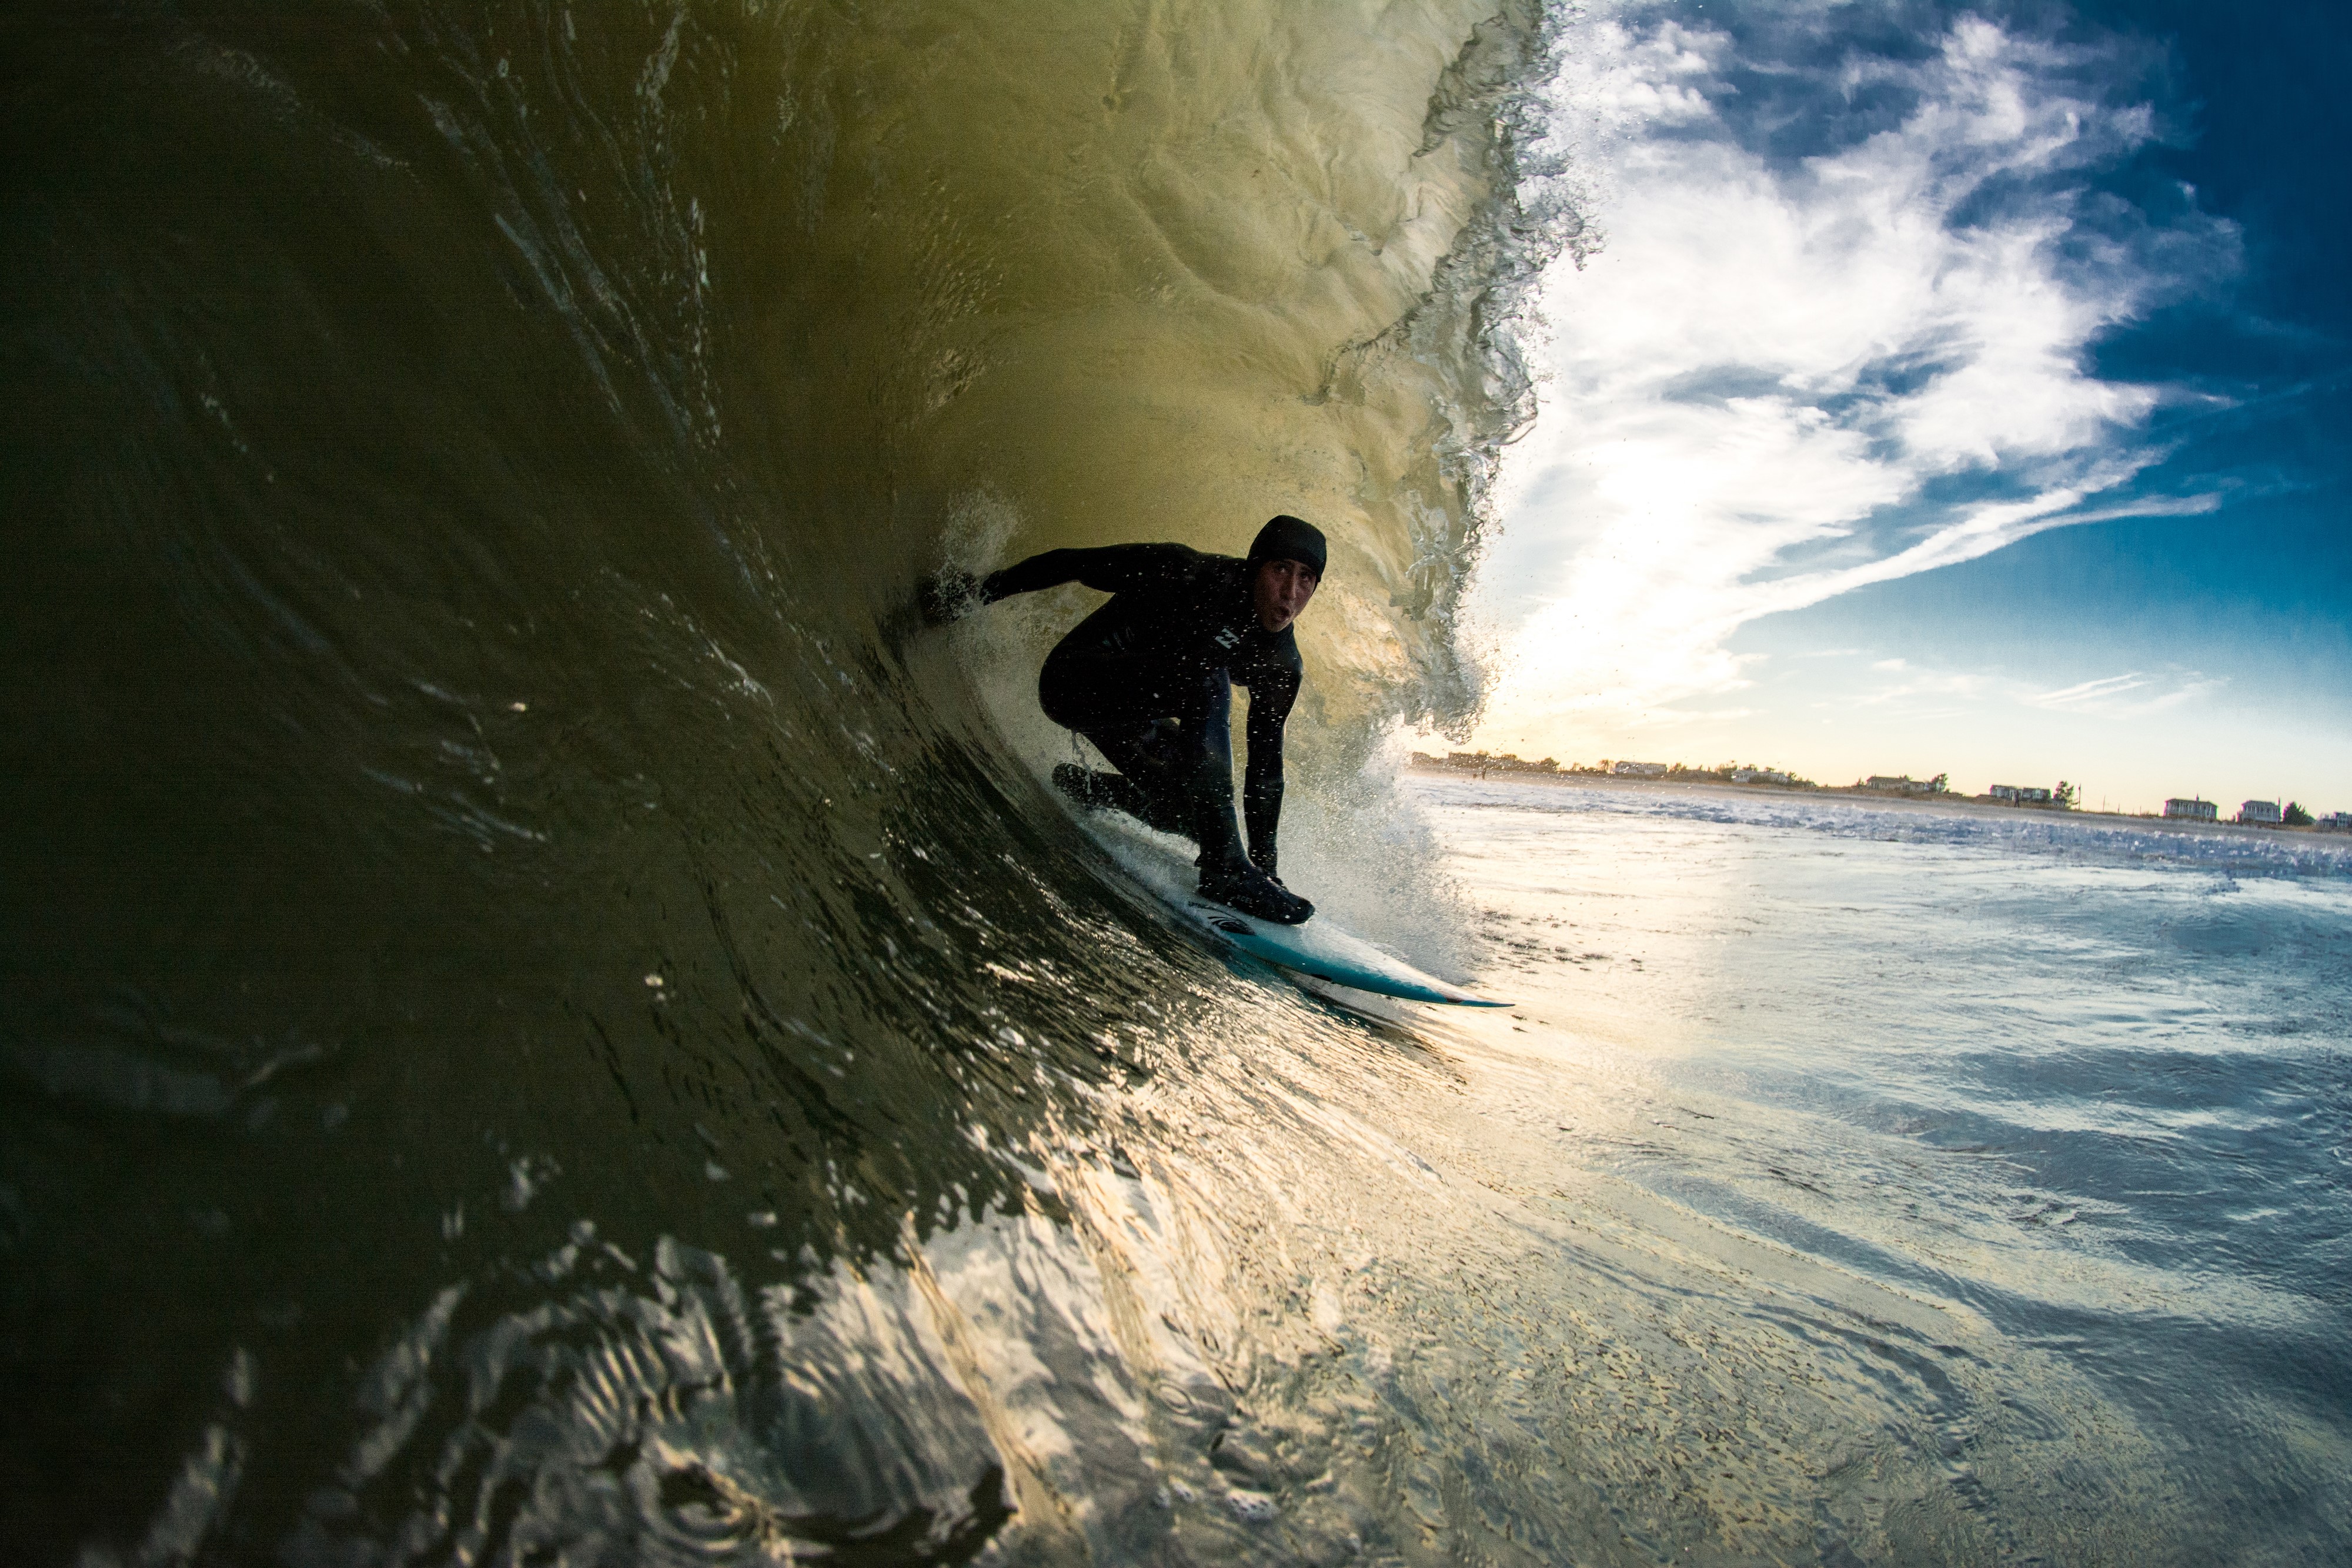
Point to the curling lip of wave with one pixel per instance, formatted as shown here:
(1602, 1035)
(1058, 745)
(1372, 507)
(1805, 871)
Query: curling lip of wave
(483, 450)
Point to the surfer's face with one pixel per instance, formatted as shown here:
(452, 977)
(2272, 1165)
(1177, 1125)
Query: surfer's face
(1280, 591)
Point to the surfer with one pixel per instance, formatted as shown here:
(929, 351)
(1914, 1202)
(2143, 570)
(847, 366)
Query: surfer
(1148, 678)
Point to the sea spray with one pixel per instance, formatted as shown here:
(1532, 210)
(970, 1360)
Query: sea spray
(503, 900)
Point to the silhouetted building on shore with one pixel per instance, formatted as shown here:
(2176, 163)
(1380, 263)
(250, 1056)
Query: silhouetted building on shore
(2192, 809)
(2259, 813)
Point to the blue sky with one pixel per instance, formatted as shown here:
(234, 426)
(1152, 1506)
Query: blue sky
(1960, 390)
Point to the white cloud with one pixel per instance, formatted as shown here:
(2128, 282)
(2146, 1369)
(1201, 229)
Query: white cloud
(2089, 691)
(2113, 695)
(1921, 692)
(1784, 381)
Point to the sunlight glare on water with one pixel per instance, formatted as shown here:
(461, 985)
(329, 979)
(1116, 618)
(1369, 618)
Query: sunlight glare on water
(548, 1017)
(2076, 1092)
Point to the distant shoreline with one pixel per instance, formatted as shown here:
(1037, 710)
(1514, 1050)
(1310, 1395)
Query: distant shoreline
(1957, 805)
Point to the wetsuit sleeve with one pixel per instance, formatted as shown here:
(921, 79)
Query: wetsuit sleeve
(1270, 698)
(1114, 568)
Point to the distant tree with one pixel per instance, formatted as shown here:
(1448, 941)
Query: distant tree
(1937, 784)
(2294, 816)
(2063, 796)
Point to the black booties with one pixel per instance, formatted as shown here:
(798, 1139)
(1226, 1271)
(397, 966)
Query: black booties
(1241, 885)
(1237, 883)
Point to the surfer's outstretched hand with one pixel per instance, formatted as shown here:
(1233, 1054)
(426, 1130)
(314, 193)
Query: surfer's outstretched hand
(948, 597)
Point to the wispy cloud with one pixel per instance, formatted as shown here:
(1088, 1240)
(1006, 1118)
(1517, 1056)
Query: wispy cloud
(1922, 692)
(2113, 695)
(2090, 691)
(1787, 378)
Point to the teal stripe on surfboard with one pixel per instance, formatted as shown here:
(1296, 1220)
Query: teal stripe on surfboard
(1318, 949)
(1322, 950)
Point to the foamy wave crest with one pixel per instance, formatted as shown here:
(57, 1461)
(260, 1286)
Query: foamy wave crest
(473, 773)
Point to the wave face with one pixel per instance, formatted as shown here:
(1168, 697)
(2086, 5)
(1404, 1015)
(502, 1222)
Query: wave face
(543, 1017)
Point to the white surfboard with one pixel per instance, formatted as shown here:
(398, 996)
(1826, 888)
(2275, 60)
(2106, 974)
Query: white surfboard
(1316, 949)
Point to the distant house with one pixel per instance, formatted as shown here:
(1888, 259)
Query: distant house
(2191, 810)
(1758, 776)
(1641, 769)
(1905, 785)
(2259, 813)
(2335, 822)
(2020, 794)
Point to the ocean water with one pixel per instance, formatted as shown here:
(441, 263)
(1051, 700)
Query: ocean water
(2017, 1145)
(544, 1019)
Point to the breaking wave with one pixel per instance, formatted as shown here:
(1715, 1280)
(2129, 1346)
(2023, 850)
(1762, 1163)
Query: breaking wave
(517, 948)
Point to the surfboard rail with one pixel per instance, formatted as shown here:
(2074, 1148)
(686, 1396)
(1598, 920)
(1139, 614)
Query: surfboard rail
(1318, 949)
(1328, 954)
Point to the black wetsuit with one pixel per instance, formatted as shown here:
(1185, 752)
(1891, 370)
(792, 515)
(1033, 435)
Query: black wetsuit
(1180, 631)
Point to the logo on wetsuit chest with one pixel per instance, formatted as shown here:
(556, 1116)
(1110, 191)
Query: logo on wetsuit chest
(1227, 638)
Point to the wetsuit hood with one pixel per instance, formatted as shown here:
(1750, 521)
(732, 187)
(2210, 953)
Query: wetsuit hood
(1286, 538)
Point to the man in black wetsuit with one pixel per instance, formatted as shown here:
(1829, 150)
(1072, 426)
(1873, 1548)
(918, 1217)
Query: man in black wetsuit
(1148, 679)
